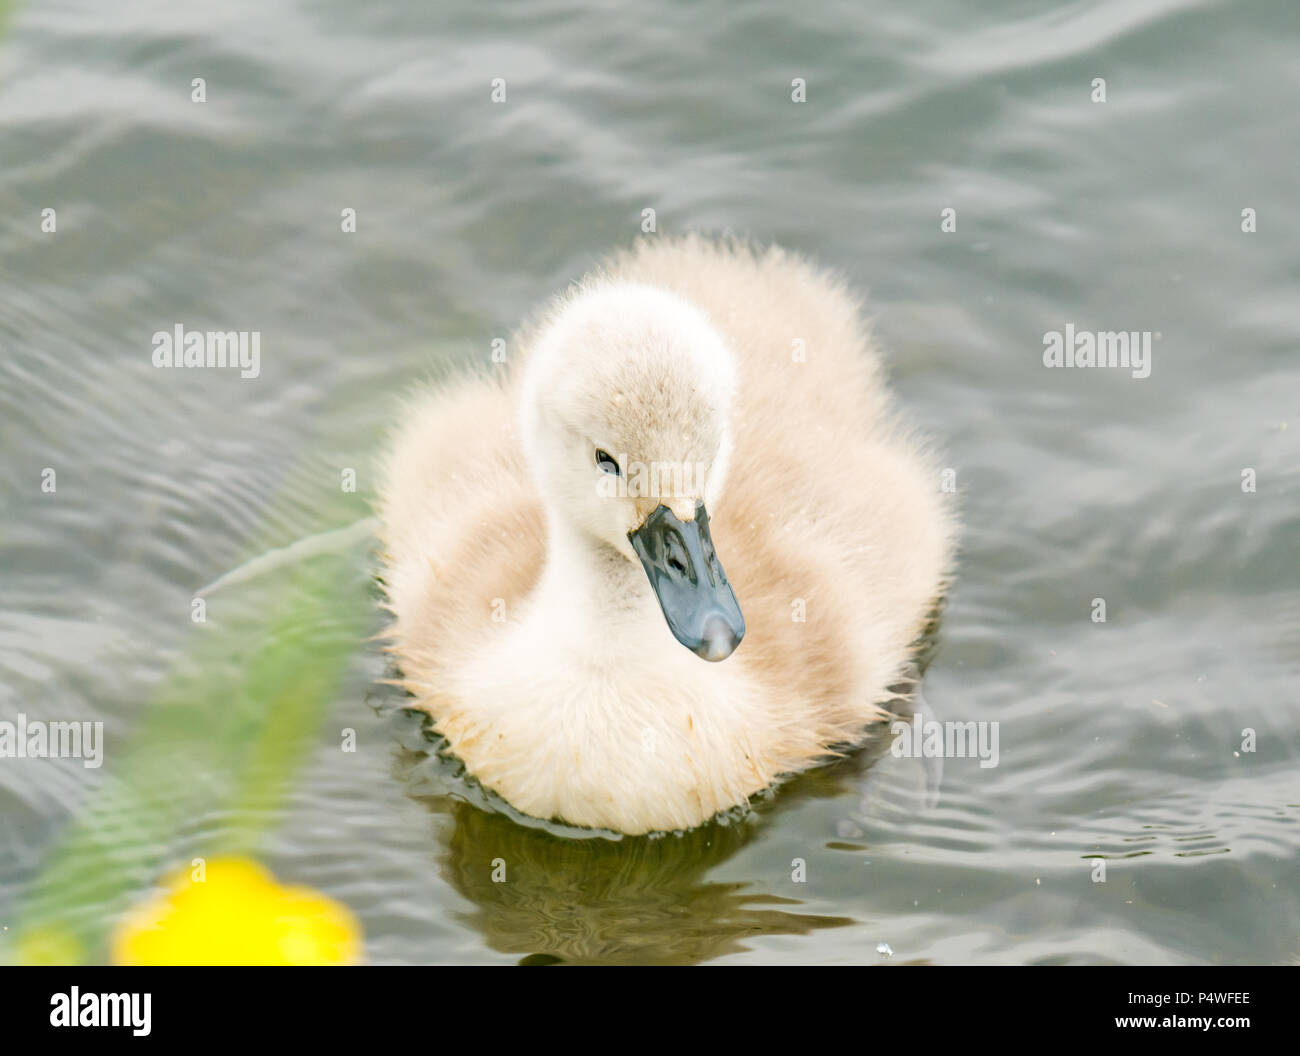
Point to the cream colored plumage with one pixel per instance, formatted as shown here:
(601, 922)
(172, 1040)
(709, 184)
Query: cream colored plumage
(527, 627)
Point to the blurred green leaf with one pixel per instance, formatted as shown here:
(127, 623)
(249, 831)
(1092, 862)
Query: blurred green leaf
(219, 745)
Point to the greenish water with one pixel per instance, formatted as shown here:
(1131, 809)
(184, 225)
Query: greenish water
(1120, 741)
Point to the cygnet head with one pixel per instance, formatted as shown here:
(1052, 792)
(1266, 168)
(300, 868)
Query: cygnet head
(624, 418)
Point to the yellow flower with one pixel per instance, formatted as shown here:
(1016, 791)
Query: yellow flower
(232, 911)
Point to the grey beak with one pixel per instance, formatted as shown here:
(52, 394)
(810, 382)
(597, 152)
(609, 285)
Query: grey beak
(697, 601)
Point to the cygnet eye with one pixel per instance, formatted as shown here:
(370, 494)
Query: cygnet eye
(606, 462)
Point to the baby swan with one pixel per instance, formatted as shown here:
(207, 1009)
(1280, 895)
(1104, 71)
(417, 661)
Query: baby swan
(555, 541)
